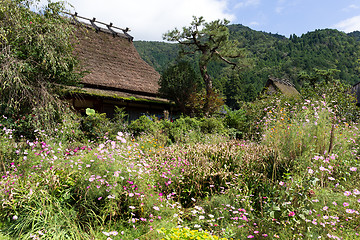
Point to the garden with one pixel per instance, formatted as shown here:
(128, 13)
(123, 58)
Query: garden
(274, 168)
(292, 174)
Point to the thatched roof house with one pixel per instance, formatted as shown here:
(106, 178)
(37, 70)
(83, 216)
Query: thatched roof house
(284, 86)
(356, 90)
(117, 75)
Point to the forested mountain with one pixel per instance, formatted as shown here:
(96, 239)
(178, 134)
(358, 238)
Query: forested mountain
(272, 54)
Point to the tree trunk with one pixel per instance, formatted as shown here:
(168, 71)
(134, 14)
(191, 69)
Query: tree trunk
(208, 86)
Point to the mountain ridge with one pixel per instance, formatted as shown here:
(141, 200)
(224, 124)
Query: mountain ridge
(273, 55)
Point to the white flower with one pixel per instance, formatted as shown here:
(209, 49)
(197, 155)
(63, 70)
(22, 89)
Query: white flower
(15, 217)
(156, 208)
(201, 217)
(131, 207)
(121, 139)
(106, 233)
(197, 226)
(101, 146)
(322, 168)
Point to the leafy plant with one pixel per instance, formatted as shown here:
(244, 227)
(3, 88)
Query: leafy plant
(36, 53)
(142, 125)
(95, 125)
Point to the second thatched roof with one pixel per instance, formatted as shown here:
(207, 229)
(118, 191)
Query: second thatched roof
(284, 86)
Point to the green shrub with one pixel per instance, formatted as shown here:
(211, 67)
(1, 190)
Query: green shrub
(119, 121)
(235, 121)
(95, 125)
(212, 125)
(184, 129)
(142, 125)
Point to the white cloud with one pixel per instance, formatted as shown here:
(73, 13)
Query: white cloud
(254, 23)
(349, 25)
(279, 9)
(351, 7)
(247, 3)
(150, 19)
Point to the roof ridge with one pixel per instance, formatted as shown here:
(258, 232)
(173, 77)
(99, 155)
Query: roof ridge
(283, 81)
(110, 27)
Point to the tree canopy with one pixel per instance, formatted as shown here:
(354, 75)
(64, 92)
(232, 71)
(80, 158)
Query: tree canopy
(211, 42)
(36, 53)
(275, 55)
(179, 82)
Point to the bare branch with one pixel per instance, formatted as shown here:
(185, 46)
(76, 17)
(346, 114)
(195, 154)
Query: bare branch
(225, 60)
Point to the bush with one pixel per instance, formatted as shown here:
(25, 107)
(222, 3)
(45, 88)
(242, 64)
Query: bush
(142, 125)
(95, 125)
(235, 121)
(119, 121)
(212, 125)
(184, 129)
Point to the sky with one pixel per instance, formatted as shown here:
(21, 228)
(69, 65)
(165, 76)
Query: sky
(149, 19)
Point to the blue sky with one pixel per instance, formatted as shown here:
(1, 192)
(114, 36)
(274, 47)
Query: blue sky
(287, 17)
(150, 19)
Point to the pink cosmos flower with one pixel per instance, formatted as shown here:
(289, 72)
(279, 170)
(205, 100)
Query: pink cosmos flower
(347, 193)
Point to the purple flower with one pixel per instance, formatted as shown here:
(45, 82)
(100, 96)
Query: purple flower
(291, 214)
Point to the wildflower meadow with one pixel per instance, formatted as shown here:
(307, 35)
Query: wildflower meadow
(295, 177)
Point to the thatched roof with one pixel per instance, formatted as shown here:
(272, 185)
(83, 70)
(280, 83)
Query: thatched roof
(356, 89)
(113, 62)
(284, 86)
(111, 94)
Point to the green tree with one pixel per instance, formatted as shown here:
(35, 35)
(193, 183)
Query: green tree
(318, 76)
(211, 40)
(178, 82)
(36, 54)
